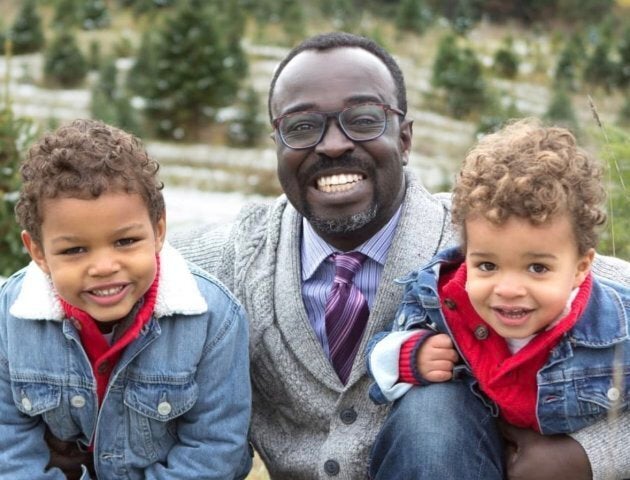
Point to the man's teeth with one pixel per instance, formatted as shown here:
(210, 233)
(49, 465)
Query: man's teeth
(106, 292)
(338, 183)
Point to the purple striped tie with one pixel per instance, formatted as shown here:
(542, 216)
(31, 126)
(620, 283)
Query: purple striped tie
(346, 313)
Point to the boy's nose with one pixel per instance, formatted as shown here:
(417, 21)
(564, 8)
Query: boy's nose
(509, 286)
(103, 265)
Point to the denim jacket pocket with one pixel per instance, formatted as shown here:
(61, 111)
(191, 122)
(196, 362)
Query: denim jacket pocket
(152, 412)
(36, 398)
(600, 395)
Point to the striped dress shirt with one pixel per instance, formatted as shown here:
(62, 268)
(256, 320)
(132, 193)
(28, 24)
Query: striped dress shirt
(318, 271)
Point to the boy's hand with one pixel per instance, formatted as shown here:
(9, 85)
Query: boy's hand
(436, 358)
(67, 457)
(532, 456)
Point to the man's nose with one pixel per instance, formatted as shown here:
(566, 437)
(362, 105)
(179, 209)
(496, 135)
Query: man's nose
(334, 142)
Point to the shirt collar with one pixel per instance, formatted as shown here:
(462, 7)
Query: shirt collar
(315, 250)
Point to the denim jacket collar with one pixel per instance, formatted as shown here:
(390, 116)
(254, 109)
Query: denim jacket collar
(177, 292)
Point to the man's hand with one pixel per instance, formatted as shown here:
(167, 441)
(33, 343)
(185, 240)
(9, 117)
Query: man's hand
(68, 457)
(436, 358)
(532, 456)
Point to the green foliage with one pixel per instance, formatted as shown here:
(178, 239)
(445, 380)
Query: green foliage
(94, 14)
(466, 14)
(615, 152)
(413, 16)
(64, 64)
(458, 72)
(560, 110)
(293, 20)
(26, 33)
(15, 134)
(188, 68)
(624, 112)
(506, 61)
(67, 14)
(566, 72)
(599, 69)
(249, 127)
(623, 65)
(110, 103)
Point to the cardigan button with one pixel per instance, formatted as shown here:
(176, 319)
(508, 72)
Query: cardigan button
(481, 332)
(331, 467)
(348, 416)
(450, 303)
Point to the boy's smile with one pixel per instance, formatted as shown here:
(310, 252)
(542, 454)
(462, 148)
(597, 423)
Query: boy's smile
(520, 275)
(100, 253)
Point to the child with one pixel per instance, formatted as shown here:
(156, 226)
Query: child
(109, 338)
(546, 341)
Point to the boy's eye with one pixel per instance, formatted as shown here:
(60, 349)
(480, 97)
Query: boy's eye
(538, 268)
(486, 266)
(72, 251)
(123, 242)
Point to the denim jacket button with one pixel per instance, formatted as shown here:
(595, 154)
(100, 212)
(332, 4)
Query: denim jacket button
(331, 467)
(401, 319)
(77, 401)
(613, 394)
(450, 303)
(26, 404)
(481, 332)
(164, 408)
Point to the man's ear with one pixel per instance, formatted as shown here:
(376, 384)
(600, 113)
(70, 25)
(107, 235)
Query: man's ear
(35, 250)
(583, 267)
(406, 133)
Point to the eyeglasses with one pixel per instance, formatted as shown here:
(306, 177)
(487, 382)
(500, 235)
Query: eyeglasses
(360, 123)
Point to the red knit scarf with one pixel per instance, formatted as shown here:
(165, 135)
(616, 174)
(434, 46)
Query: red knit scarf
(103, 356)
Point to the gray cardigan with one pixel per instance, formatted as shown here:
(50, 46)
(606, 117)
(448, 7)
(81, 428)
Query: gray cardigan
(303, 415)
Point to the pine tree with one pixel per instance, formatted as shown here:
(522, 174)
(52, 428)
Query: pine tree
(94, 14)
(248, 128)
(566, 72)
(623, 65)
(67, 14)
(506, 61)
(64, 64)
(600, 69)
(15, 134)
(413, 16)
(26, 33)
(192, 71)
(560, 110)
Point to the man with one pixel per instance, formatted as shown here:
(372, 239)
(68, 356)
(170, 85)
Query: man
(346, 189)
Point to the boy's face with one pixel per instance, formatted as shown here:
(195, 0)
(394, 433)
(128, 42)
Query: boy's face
(520, 275)
(100, 253)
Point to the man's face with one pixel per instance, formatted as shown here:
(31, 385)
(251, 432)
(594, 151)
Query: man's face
(347, 190)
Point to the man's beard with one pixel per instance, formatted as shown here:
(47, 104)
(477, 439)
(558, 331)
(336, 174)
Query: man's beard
(347, 224)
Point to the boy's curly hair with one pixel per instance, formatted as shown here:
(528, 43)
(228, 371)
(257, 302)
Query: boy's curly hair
(535, 173)
(85, 159)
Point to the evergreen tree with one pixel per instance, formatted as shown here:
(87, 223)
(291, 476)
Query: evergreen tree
(293, 20)
(566, 72)
(94, 14)
(458, 71)
(26, 33)
(64, 64)
(248, 128)
(600, 69)
(191, 73)
(67, 14)
(624, 113)
(413, 16)
(506, 61)
(15, 135)
(623, 65)
(466, 15)
(560, 110)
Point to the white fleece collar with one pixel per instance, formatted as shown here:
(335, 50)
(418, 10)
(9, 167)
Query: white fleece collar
(177, 291)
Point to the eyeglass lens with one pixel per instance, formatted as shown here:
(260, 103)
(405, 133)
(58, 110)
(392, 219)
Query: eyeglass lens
(360, 123)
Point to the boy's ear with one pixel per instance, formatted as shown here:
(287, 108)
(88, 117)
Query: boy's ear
(36, 251)
(583, 267)
(160, 232)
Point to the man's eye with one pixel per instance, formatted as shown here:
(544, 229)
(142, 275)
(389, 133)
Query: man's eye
(538, 268)
(486, 266)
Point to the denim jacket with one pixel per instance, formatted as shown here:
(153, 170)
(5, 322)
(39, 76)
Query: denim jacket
(177, 405)
(577, 385)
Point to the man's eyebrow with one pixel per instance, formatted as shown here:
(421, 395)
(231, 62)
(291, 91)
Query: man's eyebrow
(348, 102)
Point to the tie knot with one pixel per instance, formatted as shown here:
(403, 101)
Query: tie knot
(347, 265)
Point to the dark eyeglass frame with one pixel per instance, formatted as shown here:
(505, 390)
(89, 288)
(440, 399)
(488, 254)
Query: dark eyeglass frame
(328, 115)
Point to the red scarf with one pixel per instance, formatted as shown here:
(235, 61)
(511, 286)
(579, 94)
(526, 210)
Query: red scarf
(509, 380)
(103, 356)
